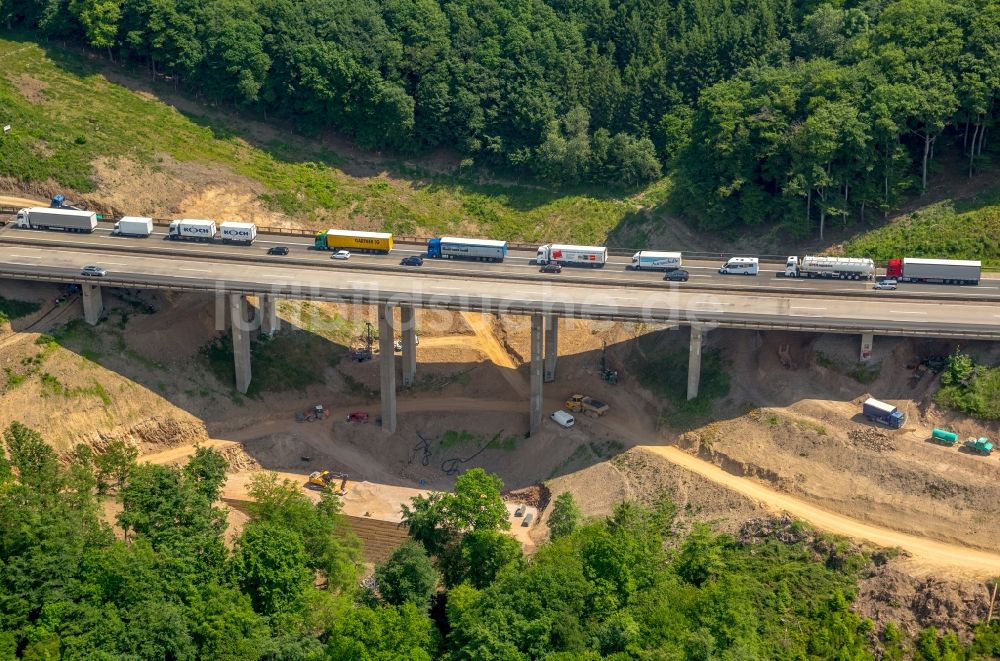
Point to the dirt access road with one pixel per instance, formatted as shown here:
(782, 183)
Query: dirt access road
(926, 553)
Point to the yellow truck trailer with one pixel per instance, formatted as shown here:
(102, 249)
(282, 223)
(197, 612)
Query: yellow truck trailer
(372, 242)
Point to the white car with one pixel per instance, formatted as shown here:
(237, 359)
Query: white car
(341, 254)
(563, 419)
(885, 284)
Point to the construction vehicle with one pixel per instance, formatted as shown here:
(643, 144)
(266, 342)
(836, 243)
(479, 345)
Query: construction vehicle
(944, 437)
(979, 445)
(361, 354)
(608, 375)
(317, 412)
(588, 406)
(326, 479)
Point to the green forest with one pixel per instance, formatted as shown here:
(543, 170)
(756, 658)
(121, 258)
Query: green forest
(160, 582)
(804, 113)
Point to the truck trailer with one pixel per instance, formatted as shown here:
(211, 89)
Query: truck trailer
(943, 271)
(449, 247)
(242, 233)
(656, 261)
(134, 226)
(845, 268)
(882, 413)
(370, 242)
(592, 256)
(63, 220)
(190, 229)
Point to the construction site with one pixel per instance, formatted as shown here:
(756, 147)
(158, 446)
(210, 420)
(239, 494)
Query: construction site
(785, 435)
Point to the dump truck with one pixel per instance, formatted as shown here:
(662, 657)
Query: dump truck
(589, 406)
(844, 268)
(368, 242)
(241, 233)
(941, 271)
(979, 445)
(654, 260)
(62, 220)
(190, 229)
(884, 414)
(483, 250)
(565, 255)
(133, 226)
(944, 437)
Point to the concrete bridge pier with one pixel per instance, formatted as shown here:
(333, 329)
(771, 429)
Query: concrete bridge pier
(535, 419)
(408, 324)
(694, 361)
(867, 340)
(241, 328)
(387, 368)
(267, 308)
(551, 347)
(93, 303)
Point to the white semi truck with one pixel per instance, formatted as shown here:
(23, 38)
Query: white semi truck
(134, 226)
(554, 253)
(191, 230)
(62, 220)
(655, 260)
(242, 233)
(845, 268)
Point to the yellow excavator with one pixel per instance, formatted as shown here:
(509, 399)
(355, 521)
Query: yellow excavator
(324, 479)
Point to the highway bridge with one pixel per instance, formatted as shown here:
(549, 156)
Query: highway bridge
(515, 287)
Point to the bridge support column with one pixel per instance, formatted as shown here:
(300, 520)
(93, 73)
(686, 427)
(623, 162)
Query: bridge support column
(241, 327)
(867, 340)
(268, 311)
(551, 347)
(408, 323)
(694, 362)
(93, 303)
(535, 421)
(387, 368)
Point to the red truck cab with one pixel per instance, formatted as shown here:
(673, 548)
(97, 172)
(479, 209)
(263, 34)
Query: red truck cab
(894, 268)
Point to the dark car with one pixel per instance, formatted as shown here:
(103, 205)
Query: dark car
(412, 260)
(277, 250)
(551, 267)
(677, 275)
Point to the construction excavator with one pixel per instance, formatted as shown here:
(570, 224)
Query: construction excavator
(317, 412)
(327, 479)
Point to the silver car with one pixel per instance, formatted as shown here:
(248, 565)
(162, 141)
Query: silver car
(885, 284)
(93, 271)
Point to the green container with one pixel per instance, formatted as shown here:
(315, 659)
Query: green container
(943, 436)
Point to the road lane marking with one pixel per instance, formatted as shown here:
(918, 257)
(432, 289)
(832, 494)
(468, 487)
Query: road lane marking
(198, 270)
(799, 307)
(25, 256)
(905, 312)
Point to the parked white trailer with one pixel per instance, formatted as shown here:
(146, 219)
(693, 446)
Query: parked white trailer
(845, 268)
(947, 271)
(243, 233)
(191, 230)
(654, 260)
(564, 255)
(63, 220)
(134, 226)
(741, 266)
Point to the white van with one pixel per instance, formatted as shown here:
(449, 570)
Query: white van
(741, 266)
(563, 419)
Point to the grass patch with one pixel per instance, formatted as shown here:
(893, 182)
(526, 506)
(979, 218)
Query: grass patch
(665, 375)
(300, 178)
(11, 308)
(289, 361)
(970, 388)
(53, 387)
(452, 439)
(865, 373)
(967, 230)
